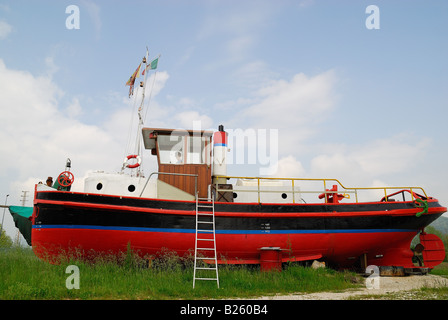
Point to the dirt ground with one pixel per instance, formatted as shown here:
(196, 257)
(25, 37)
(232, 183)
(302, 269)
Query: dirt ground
(385, 285)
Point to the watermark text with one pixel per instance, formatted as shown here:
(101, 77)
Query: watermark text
(73, 20)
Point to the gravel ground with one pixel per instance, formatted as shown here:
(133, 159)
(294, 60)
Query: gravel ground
(394, 287)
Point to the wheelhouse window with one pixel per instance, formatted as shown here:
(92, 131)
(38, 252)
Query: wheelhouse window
(198, 150)
(184, 149)
(171, 149)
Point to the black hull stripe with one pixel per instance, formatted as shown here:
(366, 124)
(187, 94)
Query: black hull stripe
(49, 214)
(226, 207)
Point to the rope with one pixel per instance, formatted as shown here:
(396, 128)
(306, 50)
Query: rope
(150, 95)
(419, 203)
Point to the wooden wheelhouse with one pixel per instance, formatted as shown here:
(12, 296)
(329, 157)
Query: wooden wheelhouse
(183, 157)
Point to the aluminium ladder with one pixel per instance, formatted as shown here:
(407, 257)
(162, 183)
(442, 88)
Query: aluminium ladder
(205, 241)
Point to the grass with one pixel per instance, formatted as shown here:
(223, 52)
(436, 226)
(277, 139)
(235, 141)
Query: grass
(441, 270)
(25, 277)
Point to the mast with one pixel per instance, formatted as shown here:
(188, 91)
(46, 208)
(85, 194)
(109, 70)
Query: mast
(133, 161)
(143, 85)
(140, 109)
(137, 151)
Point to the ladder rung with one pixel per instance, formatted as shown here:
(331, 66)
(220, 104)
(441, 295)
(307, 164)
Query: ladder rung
(205, 239)
(205, 214)
(202, 268)
(205, 222)
(204, 258)
(203, 230)
(206, 278)
(205, 248)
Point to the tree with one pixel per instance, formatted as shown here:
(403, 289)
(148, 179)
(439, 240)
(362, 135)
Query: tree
(5, 240)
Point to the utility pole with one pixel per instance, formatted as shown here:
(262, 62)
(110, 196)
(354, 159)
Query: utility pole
(4, 208)
(23, 196)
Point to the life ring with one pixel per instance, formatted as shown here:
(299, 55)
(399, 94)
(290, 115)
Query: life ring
(65, 179)
(132, 166)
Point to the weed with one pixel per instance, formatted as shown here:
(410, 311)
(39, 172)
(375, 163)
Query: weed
(166, 276)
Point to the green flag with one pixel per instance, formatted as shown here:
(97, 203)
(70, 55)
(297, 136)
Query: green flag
(151, 66)
(154, 63)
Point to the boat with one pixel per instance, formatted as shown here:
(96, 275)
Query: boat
(251, 220)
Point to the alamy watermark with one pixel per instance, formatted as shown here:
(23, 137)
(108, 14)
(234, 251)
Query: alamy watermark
(73, 20)
(254, 147)
(373, 280)
(373, 20)
(247, 147)
(72, 281)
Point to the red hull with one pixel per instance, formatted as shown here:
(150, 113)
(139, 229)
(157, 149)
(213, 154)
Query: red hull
(342, 249)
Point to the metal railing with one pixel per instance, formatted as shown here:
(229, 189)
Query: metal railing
(292, 189)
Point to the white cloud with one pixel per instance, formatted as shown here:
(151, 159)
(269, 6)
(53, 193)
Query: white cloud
(28, 103)
(301, 106)
(387, 162)
(297, 102)
(40, 131)
(74, 109)
(384, 159)
(155, 82)
(187, 120)
(52, 68)
(294, 107)
(238, 47)
(395, 154)
(254, 75)
(5, 30)
(289, 167)
(38, 135)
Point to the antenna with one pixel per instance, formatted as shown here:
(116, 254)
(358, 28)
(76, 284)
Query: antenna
(140, 108)
(68, 164)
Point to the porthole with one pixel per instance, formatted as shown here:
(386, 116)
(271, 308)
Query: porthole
(284, 195)
(99, 186)
(131, 188)
(235, 195)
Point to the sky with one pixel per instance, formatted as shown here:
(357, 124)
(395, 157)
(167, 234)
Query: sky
(342, 91)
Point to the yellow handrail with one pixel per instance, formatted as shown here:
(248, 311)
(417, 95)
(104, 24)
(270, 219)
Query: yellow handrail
(347, 189)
